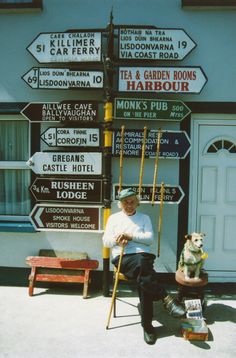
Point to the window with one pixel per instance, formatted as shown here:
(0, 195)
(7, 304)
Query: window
(203, 4)
(20, 5)
(221, 144)
(15, 202)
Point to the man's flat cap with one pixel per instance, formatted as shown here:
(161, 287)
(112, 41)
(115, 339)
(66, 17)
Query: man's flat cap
(125, 193)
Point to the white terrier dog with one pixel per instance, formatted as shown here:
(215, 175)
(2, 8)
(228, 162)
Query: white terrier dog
(192, 256)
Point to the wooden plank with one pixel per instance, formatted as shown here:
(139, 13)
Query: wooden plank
(56, 262)
(59, 278)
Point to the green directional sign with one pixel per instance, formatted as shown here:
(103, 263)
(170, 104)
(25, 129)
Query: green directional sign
(150, 109)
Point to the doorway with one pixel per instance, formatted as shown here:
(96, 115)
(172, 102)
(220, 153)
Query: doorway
(212, 206)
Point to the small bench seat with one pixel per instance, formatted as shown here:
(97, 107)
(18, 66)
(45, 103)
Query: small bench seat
(58, 266)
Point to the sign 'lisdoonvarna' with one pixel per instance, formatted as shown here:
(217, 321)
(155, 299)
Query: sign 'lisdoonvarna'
(150, 109)
(161, 79)
(68, 218)
(65, 111)
(81, 46)
(172, 194)
(87, 191)
(71, 137)
(154, 44)
(62, 78)
(173, 144)
(66, 163)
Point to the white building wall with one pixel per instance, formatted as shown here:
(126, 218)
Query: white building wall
(214, 33)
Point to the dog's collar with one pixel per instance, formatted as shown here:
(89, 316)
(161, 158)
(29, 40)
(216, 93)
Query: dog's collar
(195, 263)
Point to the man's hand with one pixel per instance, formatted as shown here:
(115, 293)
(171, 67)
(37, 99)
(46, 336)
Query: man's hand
(123, 239)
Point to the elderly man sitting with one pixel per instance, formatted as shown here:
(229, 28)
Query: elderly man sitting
(133, 230)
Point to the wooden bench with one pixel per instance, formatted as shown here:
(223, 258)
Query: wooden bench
(59, 266)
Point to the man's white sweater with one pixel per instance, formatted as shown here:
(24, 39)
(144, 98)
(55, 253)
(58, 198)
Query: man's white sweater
(139, 226)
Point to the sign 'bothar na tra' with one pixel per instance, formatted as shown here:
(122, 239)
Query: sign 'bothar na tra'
(161, 79)
(154, 44)
(173, 144)
(62, 78)
(65, 111)
(71, 137)
(81, 46)
(76, 163)
(150, 109)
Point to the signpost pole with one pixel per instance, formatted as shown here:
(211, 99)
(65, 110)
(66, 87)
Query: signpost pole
(107, 150)
(142, 160)
(121, 157)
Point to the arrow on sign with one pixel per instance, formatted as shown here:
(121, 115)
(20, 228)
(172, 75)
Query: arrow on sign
(154, 44)
(66, 163)
(173, 144)
(63, 47)
(62, 78)
(172, 194)
(65, 111)
(71, 137)
(161, 79)
(65, 218)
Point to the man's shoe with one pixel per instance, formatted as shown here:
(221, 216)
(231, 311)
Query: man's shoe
(149, 336)
(173, 307)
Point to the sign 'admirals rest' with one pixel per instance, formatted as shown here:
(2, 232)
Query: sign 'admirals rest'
(154, 44)
(161, 79)
(62, 78)
(81, 46)
(173, 144)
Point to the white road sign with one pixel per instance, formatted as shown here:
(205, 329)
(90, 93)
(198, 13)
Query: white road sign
(154, 44)
(66, 47)
(76, 163)
(62, 78)
(71, 137)
(161, 79)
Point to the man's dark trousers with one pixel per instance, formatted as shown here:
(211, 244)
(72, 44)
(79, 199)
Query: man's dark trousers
(140, 267)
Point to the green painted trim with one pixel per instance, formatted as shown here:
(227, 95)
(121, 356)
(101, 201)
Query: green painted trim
(16, 226)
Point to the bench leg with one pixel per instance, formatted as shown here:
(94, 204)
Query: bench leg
(86, 282)
(32, 281)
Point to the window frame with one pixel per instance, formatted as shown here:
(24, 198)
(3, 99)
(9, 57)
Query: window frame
(11, 165)
(209, 4)
(30, 6)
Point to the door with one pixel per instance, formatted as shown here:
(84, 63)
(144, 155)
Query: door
(213, 194)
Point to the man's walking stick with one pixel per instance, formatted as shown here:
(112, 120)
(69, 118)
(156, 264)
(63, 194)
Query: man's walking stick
(142, 160)
(121, 158)
(115, 287)
(160, 220)
(156, 165)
